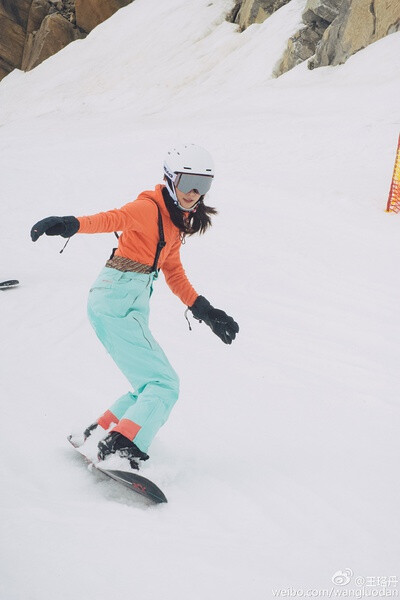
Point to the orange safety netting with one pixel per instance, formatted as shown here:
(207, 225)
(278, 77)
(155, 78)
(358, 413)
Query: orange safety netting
(393, 204)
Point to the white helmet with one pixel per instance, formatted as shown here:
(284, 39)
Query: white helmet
(188, 167)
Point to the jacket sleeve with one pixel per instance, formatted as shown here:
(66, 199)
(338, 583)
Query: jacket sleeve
(131, 216)
(176, 278)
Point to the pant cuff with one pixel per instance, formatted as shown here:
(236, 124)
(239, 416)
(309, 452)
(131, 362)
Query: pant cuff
(127, 428)
(106, 419)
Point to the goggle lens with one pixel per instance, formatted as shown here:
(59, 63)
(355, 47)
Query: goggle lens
(186, 182)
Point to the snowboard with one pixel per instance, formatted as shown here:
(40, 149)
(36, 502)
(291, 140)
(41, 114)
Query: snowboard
(135, 482)
(10, 283)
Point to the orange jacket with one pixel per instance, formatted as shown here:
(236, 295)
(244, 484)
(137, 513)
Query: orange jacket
(138, 221)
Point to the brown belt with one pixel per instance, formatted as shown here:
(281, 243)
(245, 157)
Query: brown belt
(126, 264)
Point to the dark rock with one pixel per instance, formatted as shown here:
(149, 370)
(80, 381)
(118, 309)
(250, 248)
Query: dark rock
(321, 12)
(16, 11)
(247, 12)
(39, 9)
(90, 13)
(357, 25)
(301, 46)
(12, 39)
(55, 33)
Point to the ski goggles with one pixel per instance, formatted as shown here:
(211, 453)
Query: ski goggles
(186, 182)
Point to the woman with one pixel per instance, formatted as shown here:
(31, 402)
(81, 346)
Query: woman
(153, 228)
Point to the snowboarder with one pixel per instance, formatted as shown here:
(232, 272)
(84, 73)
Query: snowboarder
(153, 228)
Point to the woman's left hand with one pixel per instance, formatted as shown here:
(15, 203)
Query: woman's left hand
(220, 323)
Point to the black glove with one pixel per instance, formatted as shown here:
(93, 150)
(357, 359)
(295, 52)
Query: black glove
(221, 324)
(64, 226)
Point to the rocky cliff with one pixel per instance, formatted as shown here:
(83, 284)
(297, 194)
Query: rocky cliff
(332, 30)
(33, 30)
(358, 24)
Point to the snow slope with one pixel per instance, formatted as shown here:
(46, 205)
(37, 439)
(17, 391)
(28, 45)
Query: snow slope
(280, 461)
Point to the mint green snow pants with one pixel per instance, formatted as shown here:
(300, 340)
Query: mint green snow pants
(118, 310)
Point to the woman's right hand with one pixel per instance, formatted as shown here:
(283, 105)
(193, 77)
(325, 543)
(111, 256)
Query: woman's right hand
(64, 226)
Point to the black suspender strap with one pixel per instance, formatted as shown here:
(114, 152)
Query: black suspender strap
(161, 241)
(114, 249)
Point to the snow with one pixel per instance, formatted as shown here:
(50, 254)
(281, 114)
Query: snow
(280, 461)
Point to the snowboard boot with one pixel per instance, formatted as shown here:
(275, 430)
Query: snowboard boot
(88, 431)
(115, 442)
